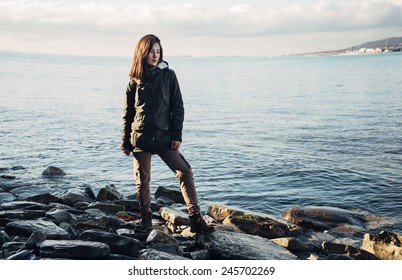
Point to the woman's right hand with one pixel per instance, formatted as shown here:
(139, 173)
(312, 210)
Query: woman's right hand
(126, 152)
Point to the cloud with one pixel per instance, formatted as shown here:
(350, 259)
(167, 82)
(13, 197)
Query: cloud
(115, 22)
(251, 18)
(325, 16)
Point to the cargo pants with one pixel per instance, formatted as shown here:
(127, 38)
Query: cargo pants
(177, 163)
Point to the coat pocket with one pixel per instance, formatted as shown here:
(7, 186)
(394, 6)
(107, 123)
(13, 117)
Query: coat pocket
(163, 135)
(163, 125)
(165, 96)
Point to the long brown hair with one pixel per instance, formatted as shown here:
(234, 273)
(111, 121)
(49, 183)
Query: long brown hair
(143, 47)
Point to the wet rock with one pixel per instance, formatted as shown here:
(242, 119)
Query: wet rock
(239, 246)
(113, 222)
(35, 238)
(151, 254)
(18, 205)
(108, 193)
(349, 240)
(71, 230)
(210, 220)
(130, 204)
(313, 257)
(167, 248)
(68, 208)
(322, 218)
(347, 250)
(188, 234)
(347, 229)
(171, 193)
(157, 236)
(26, 228)
(221, 212)
(126, 232)
(252, 223)
(337, 257)
(317, 237)
(3, 222)
(74, 249)
(87, 225)
(156, 206)
(92, 213)
(201, 255)
(45, 198)
(81, 205)
(22, 214)
(3, 237)
(385, 245)
(163, 201)
(174, 216)
(53, 171)
(120, 257)
(262, 226)
(118, 244)
(133, 233)
(26, 192)
(128, 217)
(12, 247)
(60, 216)
(175, 228)
(189, 246)
(89, 193)
(22, 255)
(73, 196)
(106, 207)
(295, 244)
(8, 186)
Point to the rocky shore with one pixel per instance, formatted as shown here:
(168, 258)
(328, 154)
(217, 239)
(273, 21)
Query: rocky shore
(41, 223)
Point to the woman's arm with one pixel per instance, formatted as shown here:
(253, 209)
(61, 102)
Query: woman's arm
(176, 110)
(128, 118)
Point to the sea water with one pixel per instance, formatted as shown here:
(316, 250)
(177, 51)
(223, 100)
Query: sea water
(261, 133)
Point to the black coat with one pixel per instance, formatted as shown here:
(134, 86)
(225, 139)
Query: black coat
(153, 112)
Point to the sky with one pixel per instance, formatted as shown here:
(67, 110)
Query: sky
(197, 28)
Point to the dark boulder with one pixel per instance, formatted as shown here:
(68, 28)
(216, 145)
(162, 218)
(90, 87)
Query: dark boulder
(53, 171)
(239, 246)
(74, 249)
(322, 218)
(26, 228)
(118, 244)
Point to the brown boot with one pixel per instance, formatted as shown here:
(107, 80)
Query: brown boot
(198, 224)
(146, 220)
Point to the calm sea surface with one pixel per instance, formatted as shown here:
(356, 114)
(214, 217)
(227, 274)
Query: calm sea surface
(263, 134)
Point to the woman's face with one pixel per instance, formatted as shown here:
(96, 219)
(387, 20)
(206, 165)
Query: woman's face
(154, 55)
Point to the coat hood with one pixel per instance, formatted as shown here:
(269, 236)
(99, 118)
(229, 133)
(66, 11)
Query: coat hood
(162, 65)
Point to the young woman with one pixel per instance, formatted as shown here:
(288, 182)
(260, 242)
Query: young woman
(152, 124)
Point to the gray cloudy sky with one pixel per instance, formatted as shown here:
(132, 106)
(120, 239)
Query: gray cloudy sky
(199, 28)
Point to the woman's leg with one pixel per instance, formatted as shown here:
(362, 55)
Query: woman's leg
(142, 173)
(177, 163)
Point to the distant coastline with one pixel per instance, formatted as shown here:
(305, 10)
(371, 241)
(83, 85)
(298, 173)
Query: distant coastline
(381, 46)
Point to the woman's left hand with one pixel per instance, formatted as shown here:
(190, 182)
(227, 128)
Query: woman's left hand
(175, 145)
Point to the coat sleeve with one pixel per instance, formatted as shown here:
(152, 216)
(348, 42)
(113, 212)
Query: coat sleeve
(128, 116)
(176, 109)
